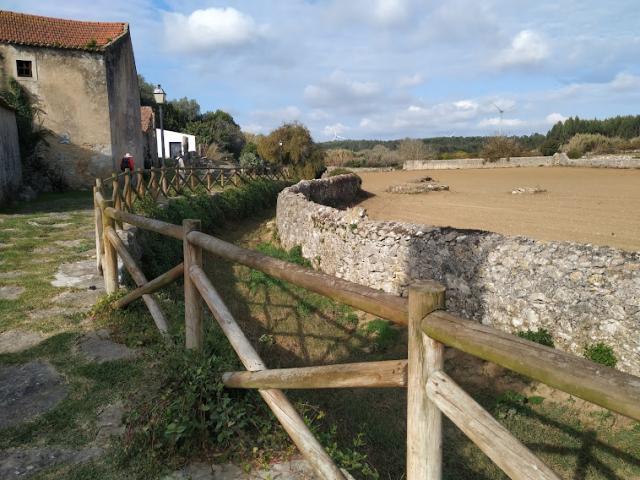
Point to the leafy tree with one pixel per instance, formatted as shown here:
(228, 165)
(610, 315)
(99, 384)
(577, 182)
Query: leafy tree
(218, 127)
(292, 145)
(176, 113)
(500, 147)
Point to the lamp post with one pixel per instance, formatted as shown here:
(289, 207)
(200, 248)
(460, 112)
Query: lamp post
(160, 96)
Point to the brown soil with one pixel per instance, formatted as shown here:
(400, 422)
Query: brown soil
(587, 205)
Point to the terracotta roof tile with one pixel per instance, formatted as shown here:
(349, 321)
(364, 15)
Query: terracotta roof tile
(34, 30)
(146, 118)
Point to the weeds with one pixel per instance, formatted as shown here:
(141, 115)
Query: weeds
(541, 336)
(601, 353)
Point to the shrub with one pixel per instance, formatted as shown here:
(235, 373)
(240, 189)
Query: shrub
(583, 143)
(161, 253)
(250, 160)
(549, 147)
(500, 147)
(542, 336)
(601, 353)
(338, 171)
(383, 333)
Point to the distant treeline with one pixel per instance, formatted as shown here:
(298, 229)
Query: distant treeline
(621, 126)
(441, 146)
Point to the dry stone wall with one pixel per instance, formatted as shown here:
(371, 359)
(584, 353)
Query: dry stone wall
(557, 160)
(581, 293)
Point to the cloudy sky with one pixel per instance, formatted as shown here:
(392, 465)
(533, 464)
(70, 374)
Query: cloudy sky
(384, 68)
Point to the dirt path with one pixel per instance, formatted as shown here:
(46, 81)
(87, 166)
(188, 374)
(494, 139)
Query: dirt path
(599, 206)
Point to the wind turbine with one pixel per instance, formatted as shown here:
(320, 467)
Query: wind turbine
(336, 136)
(501, 112)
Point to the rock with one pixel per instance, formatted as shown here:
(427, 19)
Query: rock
(9, 275)
(11, 292)
(97, 347)
(81, 274)
(527, 190)
(27, 391)
(13, 341)
(70, 243)
(81, 300)
(23, 463)
(412, 188)
(109, 423)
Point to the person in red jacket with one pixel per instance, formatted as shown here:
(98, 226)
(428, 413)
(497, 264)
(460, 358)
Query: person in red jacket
(127, 162)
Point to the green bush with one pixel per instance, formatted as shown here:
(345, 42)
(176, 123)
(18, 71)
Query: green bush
(338, 171)
(161, 253)
(542, 336)
(601, 353)
(500, 147)
(584, 143)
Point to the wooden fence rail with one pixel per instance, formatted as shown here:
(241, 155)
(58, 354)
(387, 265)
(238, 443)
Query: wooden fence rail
(430, 392)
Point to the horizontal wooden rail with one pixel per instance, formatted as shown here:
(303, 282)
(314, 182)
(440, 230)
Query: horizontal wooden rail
(164, 228)
(598, 384)
(281, 407)
(515, 459)
(391, 373)
(140, 279)
(153, 285)
(363, 298)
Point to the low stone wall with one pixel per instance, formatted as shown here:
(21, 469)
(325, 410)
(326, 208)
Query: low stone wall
(10, 163)
(557, 160)
(581, 293)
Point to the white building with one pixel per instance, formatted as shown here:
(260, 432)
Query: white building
(173, 143)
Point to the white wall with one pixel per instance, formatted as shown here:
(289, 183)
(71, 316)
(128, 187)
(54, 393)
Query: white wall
(170, 136)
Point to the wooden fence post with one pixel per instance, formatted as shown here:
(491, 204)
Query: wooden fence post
(192, 299)
(424, 420)
(110, 264)
(97, 209)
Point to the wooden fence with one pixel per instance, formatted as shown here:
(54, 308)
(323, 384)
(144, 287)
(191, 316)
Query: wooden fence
(161, 183)
(431, 392)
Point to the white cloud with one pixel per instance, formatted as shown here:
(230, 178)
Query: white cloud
(209, 29)
(410, 80)
(625, 81)
(554, 118)
(527, 48)
(340, 91)
(498, 122)
(390, 12)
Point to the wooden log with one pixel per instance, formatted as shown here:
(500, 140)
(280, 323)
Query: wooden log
(164, 228)
(424, 421)
(601, 385)
(140, 279)
(277, 401)
(516, 460)
(140, 190)
(387, 374)
(192, 302)
(97, 213)
(110, 259)
(364, 298)
(152, 286)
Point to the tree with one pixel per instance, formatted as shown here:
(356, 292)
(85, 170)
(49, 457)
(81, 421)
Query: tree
(176, 113)
(218, 127)
(292, 145)
(414, 149)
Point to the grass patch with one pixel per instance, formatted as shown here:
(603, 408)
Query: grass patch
(541, 336)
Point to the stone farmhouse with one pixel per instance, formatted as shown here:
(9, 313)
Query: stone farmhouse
(82, 76)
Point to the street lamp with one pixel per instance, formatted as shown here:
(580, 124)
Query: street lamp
(160, 96)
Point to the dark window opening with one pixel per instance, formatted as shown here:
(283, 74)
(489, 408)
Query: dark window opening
(24, 68)
(175, 149)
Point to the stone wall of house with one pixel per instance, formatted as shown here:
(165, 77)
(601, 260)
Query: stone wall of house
(581, 293)
(124, 101)
(557, 160)
(10, 166)
(70, 88)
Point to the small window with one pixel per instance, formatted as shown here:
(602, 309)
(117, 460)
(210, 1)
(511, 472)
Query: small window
(24, 68)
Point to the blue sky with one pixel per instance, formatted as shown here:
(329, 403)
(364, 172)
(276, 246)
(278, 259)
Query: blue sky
(384, 68)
